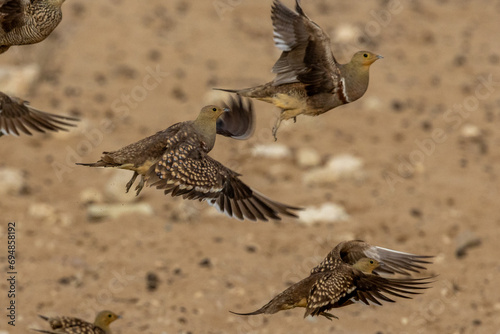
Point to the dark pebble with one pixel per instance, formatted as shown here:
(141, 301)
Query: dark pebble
(205, 263)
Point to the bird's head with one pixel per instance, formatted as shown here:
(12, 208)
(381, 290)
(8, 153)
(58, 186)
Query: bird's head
(365, 58)
(104, 318)
(366, 265)
(211, 113)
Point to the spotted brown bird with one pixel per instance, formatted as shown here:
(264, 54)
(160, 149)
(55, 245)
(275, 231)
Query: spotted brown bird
(176, 160)
(77, 326)
(351, 273)
(309, 80)
(27, 21)
(17, 116)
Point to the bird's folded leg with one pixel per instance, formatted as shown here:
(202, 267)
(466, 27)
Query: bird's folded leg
(329, 316)
(139, 186)
(295, 119)
(275, 128)
(131, 182)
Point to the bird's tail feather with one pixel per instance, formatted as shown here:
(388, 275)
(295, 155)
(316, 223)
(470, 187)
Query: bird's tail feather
(99, 163)
(227, 90)
(259, 311)
(42, 331)
(94, 164)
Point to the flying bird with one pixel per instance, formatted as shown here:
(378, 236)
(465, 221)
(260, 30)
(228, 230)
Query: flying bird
(176, 160)
(351, 273)
(27, 21)
(72, 325)
(309, 80)
(17, 116)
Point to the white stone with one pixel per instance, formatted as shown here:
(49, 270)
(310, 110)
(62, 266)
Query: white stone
(41, 210)
(343, 166)
(274, 151)
(307, 157)
(99, 211)
(326, 213)
(49, 214)
(91, 195)
(17, 80)
(12, 181)
(346, 33)
(470, 131)
(372, 103)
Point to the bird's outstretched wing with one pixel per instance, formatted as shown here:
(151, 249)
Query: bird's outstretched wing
(239, 122)
(307, 55)
(336, 289)
(17, 117)
(186, 170)
(391, 261)
(373, 289)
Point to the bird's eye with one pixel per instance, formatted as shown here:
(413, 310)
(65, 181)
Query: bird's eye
(365, 55)
(371, 262)
(109, 315)
(214, 109)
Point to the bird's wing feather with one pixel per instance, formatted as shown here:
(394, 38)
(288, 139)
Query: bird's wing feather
(307, 55)
(84, 330)
(373, 289)
(391, 261)
(186, 170)
(239, 122)
(70, 325)
(329, 290)
(16, 117)
(64, 322)
(336, 289)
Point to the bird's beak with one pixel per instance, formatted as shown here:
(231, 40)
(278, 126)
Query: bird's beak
(119, 317)
(226, 110)
(379, 57)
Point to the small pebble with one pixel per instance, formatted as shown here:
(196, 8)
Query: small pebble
(205, 263)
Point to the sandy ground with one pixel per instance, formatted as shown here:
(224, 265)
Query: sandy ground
(426, 131)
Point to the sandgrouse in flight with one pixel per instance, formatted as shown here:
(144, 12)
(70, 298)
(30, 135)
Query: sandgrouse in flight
(17, 117)
(348, 274)
(309, 80)
(177, 161)
(27, 21)
(77, 326)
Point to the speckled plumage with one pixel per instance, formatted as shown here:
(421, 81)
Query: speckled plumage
(27, 21)
(308, 79)
(72, 325)
(17, 117)
(176, 160)
(351, 273)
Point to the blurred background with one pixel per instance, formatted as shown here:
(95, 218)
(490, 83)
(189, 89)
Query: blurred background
(413, 166)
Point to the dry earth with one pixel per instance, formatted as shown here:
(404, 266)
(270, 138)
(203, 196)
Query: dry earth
(426, 132)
